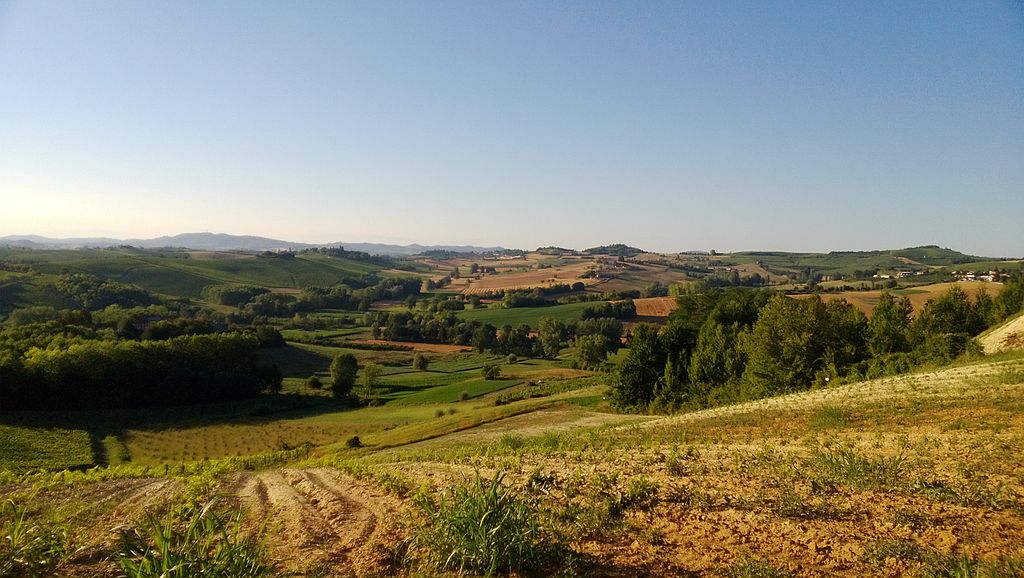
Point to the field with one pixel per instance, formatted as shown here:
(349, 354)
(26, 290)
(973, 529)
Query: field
(919, 474)
(655, 306)
(528, 315)
(900, 476)
(176, 273)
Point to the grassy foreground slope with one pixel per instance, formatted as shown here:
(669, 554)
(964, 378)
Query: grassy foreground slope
(919, 475)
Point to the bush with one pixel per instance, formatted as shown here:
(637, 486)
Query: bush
(485, 528)
(314, 382)
(204, 544)
(491, 371)
(420, 361)
(354, 442)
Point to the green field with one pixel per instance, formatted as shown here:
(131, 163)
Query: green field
(30, 447)
(174, 273)
(529, 315)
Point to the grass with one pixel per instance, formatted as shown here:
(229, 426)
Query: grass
(485, 528)
(204, 544)
(529, 315)
(27, 447)
(171, 274)
(29, 546)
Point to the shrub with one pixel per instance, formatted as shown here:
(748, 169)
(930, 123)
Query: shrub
(486, 529)
(314, 382)
(420, 361)
(491, 371)
(354, 442)
(203, 544)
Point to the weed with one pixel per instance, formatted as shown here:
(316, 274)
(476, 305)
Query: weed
(747, 567)
(830, 417)
(844, 465)
(959, 565)
(29, 547)
(878, 552)
(487, 529)
(202, 543)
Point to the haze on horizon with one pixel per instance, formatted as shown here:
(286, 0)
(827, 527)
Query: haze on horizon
(669, 126)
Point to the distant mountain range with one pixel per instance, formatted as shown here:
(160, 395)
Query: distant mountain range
(225, 242)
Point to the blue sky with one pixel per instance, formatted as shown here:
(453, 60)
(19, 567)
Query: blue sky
(671, 126)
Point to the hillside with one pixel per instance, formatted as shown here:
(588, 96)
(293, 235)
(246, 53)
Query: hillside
(898, 476)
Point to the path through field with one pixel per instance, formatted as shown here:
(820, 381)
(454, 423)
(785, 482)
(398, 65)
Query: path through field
(321, 520)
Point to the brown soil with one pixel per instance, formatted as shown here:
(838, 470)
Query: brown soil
(321, 520)
(1007, 336)
(655, 306)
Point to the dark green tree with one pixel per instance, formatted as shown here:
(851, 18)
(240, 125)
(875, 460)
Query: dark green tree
(889, 326)
(551, 333)
(591, 351)
(343, 374)
(639, 375)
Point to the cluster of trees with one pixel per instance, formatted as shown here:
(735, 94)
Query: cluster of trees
(441, 326)
(258, 301)
(94, 293)
(624, 309)
(76, 373)
(594, 339)
(732, 345)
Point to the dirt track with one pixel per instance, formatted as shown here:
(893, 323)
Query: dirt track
(322, 520)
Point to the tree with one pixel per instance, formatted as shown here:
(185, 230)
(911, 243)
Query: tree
(491, 371)
(889, 325)
(551, 333)
(371, 374)
(639, 376)
(591, 352)
(343, 373)
(784, 349)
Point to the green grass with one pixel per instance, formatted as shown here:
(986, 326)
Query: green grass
(204, 544)
(485, 528)
(29, 448)
(528, 315)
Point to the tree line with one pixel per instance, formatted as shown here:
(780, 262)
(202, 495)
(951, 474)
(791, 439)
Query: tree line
(723, 346)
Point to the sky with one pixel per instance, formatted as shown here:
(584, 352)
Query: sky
(798, 126)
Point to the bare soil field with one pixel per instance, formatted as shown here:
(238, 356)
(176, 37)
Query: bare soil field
(320, 520)
(535, 278)
(655, 306)
(1008, 336)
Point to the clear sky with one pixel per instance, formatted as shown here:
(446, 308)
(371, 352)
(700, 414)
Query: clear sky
(671, 126)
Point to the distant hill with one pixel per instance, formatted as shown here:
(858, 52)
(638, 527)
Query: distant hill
(225, 242)
(615, 250)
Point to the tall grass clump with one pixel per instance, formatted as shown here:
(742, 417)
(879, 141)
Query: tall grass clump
(845, 465)
(203, 543)
(485, 528)
(29, 547)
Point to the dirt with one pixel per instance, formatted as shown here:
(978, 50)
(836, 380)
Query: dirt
(1010, 335)
(321, 520)
(655, 306)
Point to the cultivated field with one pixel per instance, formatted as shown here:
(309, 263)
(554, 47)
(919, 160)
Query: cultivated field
(655, 306)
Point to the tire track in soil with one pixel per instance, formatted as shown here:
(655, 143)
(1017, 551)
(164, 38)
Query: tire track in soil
(321, 518)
